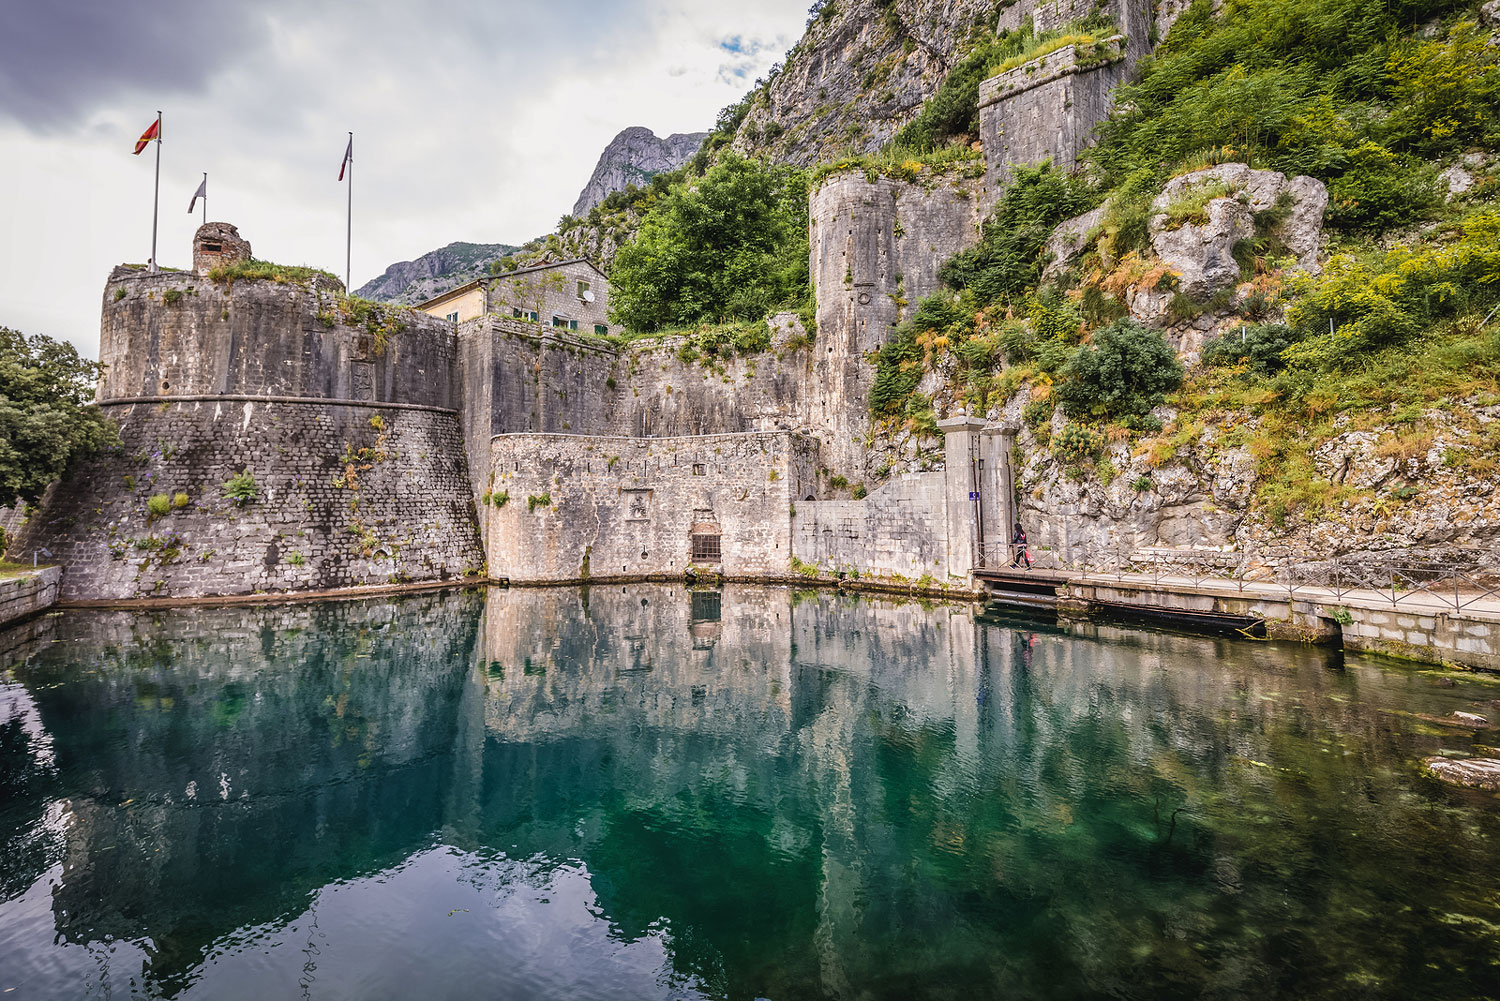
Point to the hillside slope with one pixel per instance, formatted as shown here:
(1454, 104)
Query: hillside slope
(860, 71)
(435, 272)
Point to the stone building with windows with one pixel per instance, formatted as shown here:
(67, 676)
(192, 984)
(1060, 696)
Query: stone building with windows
(570, 295)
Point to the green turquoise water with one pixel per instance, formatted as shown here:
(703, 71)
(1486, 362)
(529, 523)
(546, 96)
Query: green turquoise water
(647, 792)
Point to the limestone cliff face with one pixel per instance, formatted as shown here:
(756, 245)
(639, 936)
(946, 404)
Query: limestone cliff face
(857, 75)
(1432, 489)
(435, 272)
(634, 157)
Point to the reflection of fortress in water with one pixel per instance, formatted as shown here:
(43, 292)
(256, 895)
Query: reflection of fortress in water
(216, 766)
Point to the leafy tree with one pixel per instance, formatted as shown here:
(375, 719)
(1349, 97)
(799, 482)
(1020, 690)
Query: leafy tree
(45, 419)
(730, 247)
(1127, 370)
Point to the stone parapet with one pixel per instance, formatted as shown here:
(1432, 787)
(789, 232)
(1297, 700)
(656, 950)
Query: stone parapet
(1063, 62)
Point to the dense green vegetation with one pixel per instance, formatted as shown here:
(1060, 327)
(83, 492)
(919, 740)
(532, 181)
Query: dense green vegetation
(1374, 100)
(45, 417)
(1340, 89)
(730, 246)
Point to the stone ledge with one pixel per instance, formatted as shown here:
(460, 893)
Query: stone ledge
(28, 593)
(1066, 61)
(295, 400)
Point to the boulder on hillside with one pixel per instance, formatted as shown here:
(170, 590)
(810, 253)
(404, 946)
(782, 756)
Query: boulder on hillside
(1203, 253)
(1070, 238)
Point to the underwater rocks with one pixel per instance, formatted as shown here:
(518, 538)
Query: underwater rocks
(1476, 773)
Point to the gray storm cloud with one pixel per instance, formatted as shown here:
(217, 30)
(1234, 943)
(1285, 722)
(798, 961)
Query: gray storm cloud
(59, 59)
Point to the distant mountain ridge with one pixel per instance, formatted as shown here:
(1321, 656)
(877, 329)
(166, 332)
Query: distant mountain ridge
(634, 157)
(435, 272)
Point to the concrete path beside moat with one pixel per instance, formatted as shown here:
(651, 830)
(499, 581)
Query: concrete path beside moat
(1461, 629)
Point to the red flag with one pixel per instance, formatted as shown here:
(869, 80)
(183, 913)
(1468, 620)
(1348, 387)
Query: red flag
(348, 156)
(154, 132)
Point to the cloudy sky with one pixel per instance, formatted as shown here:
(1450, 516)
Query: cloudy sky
(473, 120)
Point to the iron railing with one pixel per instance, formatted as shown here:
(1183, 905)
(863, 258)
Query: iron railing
(1461, 578)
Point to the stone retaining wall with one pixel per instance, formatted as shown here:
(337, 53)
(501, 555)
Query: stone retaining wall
(899, 530)
(26, 594)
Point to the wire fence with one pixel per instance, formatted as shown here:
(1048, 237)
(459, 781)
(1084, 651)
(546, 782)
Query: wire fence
(1460, 578)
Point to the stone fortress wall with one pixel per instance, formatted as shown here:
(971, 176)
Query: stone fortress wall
(347, 426)
(176, 334)
(582, 506)
(374, 449)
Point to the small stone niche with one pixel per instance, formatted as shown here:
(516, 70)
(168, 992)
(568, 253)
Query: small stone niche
(216, 244)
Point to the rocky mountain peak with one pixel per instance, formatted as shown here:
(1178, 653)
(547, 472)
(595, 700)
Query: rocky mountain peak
(633, 157)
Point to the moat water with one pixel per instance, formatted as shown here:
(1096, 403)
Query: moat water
(647, 792)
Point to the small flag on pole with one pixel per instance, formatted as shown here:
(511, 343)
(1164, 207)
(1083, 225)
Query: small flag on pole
(153, 132)
(202, 193)
(348, 156)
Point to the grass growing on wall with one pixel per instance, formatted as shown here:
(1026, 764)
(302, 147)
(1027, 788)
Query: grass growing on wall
(281, 274)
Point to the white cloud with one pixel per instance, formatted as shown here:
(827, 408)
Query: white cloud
(473, 121)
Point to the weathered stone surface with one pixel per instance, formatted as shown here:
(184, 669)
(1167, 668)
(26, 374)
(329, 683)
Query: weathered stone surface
(586, 505)
(172, 334)
(217, 244)
(1456, 180)
(876, 248)
(634, 157)
(1068, 240)
(1047, 109)
(25, 594)
(857, 75)
(1490, 12)
(1476, 773)
(406, 514)
(1203, 253)
(1352, 458)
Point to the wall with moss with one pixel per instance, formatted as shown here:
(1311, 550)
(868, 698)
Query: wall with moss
(344, 496)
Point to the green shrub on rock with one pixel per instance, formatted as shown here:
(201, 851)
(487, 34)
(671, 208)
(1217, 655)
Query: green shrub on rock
(1127, 370)
(1258, 347)
(1076, 444)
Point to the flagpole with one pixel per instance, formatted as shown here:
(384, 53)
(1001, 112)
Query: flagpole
(205, 198)
(349, 227)
(156, 196)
